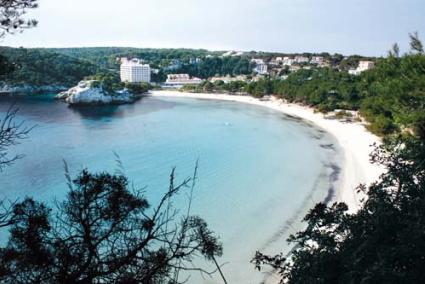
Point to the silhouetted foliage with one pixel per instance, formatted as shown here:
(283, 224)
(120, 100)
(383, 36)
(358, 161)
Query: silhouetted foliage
(395, 51)
(12, 16)
(384, 242)
(11, 134)
(415, 43)
(5, 66)
(11, 21)
(104, 232)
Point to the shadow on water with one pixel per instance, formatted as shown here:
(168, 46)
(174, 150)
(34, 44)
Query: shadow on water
(26, 99)
(45, 109)
(109, 112)
(97, 112)
(40, 108)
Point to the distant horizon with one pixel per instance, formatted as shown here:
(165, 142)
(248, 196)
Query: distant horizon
(359, 27)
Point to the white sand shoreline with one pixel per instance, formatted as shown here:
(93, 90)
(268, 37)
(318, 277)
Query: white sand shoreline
(353, 138)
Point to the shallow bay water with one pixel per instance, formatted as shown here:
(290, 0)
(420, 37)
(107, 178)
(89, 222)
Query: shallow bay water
(259, 170)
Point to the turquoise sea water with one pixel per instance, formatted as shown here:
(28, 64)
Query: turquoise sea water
(259, 171)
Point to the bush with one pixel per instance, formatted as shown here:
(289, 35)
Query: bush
(138, 88)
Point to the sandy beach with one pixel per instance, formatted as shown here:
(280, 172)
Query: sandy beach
(356, 142)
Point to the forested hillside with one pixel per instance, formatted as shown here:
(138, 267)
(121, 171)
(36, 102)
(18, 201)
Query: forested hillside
(391, 97)
(41, 67)
(208, 63)
(67, 66)
(106, 56)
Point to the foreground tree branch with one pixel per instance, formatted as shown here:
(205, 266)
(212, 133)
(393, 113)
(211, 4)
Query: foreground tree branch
(381, 243)
(12, 16)
(11, 134)
(105, 233)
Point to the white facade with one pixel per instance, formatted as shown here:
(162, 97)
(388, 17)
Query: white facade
(261, 69)
(133, 71)
(180, 80)
(301, 59)
(317, 60)
(196, 60)
(354, 72)
(363, 66)
(287, 61)
(276, 61)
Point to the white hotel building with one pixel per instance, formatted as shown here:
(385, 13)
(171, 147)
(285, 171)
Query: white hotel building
(363, 66)
(133, 71)
(180, 80)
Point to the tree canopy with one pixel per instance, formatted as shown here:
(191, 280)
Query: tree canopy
(12, 17)
(38, 67)
(105, 232)
(384, 242)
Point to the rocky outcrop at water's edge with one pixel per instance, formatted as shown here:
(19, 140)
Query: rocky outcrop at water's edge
(91, 92)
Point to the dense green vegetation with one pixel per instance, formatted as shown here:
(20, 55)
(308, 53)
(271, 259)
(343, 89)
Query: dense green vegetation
(217, 86)
(5, 66)
(326, 89)
(196, 62)
(67, 66)
(384, 242)
(167, 60)
(394, 94)
(41, 68)
(105, 231)
(111, 83)
(390, 96)
(106, 56)
(213, 66)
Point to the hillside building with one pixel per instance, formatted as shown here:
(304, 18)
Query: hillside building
(318, 60)
(180, 80)
(133, 71)
(363, 66)
(261, 69)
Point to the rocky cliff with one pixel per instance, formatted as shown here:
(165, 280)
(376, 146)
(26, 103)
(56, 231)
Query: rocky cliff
(87, 92)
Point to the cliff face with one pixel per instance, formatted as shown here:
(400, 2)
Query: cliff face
(85, 93)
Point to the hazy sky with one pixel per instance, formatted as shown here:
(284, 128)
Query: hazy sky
(367, 27)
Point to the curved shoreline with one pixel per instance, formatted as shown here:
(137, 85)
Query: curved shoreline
(353, 138)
